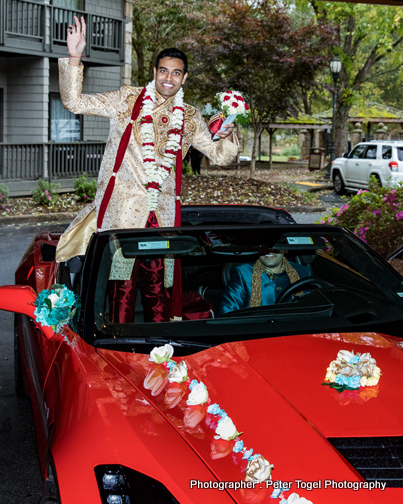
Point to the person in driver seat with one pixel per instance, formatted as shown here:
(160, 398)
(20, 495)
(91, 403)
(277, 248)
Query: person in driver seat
(260, 284)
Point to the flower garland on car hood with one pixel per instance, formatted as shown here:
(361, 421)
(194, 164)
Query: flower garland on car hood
(258, 468)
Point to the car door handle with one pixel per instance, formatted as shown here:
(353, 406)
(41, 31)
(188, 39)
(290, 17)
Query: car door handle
(370, 164)
(357, 164)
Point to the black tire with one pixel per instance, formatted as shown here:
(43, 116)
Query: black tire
(18, 378)
(50, 497)
(338, 183)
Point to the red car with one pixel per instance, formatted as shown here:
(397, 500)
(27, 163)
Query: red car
(283, 386)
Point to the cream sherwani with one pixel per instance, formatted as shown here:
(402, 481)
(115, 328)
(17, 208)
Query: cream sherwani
(127, 207)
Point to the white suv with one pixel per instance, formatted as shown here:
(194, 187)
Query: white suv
(381, 158)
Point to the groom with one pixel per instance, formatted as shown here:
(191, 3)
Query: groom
(151, 130)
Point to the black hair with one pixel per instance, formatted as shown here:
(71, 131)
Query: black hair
(173, 53)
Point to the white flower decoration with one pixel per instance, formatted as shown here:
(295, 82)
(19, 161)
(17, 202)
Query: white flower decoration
(294, 498)
(53, 298)
(198, 395)
(179, 373)
(161, 354)
(258, 469)
(226, 429)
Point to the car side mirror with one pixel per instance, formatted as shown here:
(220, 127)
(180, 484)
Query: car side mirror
(21, 299)
(345, 154)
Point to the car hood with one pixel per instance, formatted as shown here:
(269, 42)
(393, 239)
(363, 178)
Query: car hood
(272, 390)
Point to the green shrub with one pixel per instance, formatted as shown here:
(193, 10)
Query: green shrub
(375, 216)
(4, 193)
(46, 193)
(292, 151)
(85, 190)
(186, 168)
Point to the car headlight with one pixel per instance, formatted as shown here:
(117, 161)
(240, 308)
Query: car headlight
(120, 485)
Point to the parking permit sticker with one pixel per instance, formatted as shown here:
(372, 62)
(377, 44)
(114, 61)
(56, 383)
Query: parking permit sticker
(299, 240)
(153, 245)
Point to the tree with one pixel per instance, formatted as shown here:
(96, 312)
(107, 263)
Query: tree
(158, 24)
(253, 47)
(369, 37)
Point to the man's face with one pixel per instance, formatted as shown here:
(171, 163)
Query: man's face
(272, 259)
(169, 76)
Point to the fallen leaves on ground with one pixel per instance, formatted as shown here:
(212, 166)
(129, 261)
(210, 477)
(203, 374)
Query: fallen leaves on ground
(201, 189)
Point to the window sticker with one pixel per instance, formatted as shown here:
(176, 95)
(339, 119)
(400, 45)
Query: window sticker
(153, 245)
(299, 240)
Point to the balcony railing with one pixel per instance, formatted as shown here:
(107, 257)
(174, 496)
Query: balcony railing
(30, 27)
(28, 162)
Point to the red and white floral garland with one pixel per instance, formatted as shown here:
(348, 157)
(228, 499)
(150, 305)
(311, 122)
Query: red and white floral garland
(155, 175)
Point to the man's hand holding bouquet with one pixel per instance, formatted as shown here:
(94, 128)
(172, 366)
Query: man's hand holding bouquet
(234, 109)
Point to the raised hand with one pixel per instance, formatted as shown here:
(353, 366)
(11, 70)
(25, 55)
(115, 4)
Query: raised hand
(76, 38)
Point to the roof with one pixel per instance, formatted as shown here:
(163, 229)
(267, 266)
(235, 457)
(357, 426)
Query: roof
(368, 112)
(302, 121)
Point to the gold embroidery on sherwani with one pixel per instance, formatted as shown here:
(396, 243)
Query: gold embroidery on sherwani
(127, 207)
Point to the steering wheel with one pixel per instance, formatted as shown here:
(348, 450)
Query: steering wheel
(299, 285)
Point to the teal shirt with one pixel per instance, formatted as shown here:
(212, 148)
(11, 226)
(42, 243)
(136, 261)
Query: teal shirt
(236, 295)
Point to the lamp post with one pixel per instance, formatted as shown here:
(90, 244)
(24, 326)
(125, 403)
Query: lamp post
(335, 68)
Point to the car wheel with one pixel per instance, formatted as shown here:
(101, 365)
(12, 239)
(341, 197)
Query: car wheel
(338, 183)
(49, 497)
(18, 378)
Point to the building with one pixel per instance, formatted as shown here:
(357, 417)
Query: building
(38, 137)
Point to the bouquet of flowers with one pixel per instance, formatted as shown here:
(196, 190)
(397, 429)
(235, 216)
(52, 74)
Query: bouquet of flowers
(349, 371)
(234, 108)
(56, 307)
(232, 102)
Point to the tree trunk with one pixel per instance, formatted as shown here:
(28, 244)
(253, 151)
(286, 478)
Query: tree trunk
(341, 140)
(257, 130)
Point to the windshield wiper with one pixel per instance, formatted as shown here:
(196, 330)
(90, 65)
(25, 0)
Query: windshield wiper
(150, 342)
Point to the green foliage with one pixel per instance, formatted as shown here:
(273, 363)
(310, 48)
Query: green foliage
(160, 24)
(84, 189)
(292, 151)
(4, 193)
(186, 168)
(46, 193)
(375, 216)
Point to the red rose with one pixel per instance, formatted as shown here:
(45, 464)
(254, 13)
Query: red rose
(234, 104)
(226, 98)
(246, 106)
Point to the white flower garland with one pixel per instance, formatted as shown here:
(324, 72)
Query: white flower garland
(155, 175)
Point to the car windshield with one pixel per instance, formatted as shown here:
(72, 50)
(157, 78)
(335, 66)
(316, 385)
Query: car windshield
(201, 286)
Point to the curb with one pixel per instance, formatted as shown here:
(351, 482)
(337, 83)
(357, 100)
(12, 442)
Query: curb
(57, 217)
(304, 209)
(66, 218)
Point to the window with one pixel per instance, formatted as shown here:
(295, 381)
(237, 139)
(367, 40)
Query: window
(386, 152)
(1, 115)
(371, 152)
(357, 152)
(64, 125)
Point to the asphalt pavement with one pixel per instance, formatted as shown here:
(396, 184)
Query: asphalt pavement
(19, 465)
